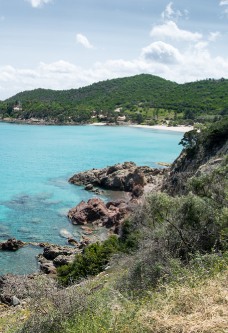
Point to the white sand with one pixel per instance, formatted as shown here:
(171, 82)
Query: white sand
(98, 124)
(182, 129)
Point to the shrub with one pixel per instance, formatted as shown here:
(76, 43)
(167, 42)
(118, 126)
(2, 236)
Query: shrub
(91, 261)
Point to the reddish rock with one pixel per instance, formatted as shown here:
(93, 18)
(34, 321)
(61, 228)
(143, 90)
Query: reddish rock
(88, 212)
(96, 211)
(122, 176)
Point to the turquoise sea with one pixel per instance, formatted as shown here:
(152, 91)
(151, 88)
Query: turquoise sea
(35, 165)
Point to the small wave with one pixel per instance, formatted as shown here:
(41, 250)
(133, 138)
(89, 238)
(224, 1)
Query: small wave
(65, 233)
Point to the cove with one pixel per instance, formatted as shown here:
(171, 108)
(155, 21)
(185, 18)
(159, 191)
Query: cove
(35, 165)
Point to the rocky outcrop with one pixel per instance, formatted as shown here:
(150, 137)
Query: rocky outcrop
(54, 256)
(127, 177)
(11, 244)
(96, 211)
(52, 251)
(202, 158)
(120, 177)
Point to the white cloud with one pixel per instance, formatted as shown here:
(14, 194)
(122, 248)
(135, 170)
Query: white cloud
(161, 52)
(58, 67)
(83, 40)
(171, 30)
(38, 3)
(224, 3)
(170, 14)
(214, 36)
(189, 62)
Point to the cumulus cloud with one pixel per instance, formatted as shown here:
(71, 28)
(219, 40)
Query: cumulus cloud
(161, 52)
(171, 30)
(38, 3)
(58, 67)
(191, 63)
(83, 40)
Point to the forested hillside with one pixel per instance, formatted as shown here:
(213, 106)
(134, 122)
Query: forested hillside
(142, 98)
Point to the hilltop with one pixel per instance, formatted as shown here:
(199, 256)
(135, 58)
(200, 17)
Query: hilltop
(142, 98)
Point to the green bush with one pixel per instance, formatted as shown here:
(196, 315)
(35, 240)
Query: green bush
(90, 262)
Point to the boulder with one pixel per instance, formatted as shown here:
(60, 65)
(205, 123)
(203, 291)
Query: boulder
(11, 244)
(73, 241)
(48, 267)
(63, 260)
(137, 191)
(15, 301)
(52, 251)
(95, 211)
(122, 177)
(89, 187)
(6, 299)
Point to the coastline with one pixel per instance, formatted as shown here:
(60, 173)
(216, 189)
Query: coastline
(182, 129)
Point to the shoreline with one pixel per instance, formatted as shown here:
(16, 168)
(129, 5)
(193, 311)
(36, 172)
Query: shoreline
(182, 129)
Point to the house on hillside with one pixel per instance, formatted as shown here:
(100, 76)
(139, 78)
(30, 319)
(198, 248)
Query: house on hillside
(121, 118)
(17, 107)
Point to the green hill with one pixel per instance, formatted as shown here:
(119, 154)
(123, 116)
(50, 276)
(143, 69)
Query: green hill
(141, 98)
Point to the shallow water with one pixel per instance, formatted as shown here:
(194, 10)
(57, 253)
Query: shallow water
(37, 161)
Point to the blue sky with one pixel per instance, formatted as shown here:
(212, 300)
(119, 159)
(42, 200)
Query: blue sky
(62, 44)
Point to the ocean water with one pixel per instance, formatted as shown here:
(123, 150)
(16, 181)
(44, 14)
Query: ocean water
(35, 165)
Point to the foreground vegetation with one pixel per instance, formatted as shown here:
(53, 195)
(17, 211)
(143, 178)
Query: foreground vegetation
(142, 98)
(167, 272)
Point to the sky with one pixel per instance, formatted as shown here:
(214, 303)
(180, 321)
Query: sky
(64, 44)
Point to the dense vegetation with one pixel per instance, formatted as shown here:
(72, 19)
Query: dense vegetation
(171, 227)
(141, 98)
(167, 272)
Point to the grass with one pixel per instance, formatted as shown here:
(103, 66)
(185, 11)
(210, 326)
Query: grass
(11, 319)
(195, 300)
(199, 309)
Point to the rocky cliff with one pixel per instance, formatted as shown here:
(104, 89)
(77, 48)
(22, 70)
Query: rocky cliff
(203, 152)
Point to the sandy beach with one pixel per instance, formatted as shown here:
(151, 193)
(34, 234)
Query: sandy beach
(98, 124)
(182, 129)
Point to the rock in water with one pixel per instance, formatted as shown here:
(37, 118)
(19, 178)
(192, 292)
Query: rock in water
(11, 244)
(122, 176)
(95, 211)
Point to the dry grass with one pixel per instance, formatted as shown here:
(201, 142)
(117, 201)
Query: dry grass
(11, 318)
(182, 309)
